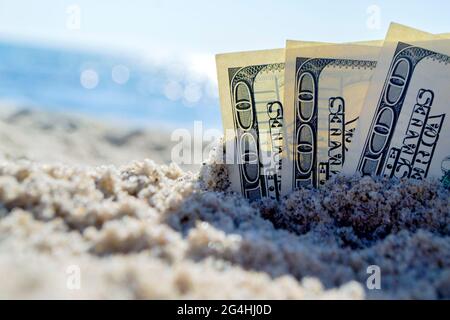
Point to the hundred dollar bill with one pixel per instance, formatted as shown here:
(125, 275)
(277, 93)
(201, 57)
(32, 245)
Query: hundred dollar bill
(404, 129)
(251, 87)
(325, 87)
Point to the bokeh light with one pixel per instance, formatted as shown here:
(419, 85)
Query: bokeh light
(120, 74)
(173, 90)
(89, 79)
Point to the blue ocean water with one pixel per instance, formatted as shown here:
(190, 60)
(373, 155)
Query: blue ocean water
(49, 78)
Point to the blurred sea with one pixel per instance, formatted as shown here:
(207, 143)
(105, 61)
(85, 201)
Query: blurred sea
(106, 86)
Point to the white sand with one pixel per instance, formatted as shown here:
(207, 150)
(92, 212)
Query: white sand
(76, 140)
(148, 231)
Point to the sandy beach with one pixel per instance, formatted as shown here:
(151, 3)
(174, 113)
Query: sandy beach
(53, 137)
(76, 196)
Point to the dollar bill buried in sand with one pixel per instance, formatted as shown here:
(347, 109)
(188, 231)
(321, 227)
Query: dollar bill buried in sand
(251, 87)
(325, 87)
(404, 129)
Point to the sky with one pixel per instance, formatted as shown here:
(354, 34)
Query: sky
(193, 31)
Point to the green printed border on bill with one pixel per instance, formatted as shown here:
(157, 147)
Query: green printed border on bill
(295, 117)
